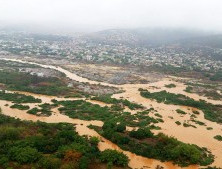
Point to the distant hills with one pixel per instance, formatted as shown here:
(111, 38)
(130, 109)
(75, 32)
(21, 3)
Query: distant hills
(214, 41)
(156, 37)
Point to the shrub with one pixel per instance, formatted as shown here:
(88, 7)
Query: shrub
(94, 141)
(24, 155)
(113, 157)
(20, 107)
(121, 127)
(218, 137)
(9, 133)
(141, 133)
(180, 111)
(178, 123)
(84, 162)
(196, 112)
(50, 163)
(170, 85)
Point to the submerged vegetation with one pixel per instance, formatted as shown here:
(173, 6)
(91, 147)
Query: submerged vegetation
(18, 98)
(170, 85)
(143, 142)
(107, 99)
(20, 107)
(87, 111)
(211, 112)
(43, 110)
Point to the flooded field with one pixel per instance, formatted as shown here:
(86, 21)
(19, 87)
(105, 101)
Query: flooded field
(199, 136)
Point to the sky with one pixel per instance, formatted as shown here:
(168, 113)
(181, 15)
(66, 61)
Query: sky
(92, 15)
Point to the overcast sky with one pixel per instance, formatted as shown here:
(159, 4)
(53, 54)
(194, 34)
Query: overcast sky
(106, 14)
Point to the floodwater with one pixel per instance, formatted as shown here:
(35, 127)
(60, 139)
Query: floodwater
(199, 136)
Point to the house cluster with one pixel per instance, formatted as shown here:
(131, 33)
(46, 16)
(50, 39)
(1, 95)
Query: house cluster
(84, 50)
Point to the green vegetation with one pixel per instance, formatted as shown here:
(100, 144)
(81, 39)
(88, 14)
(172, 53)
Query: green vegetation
(50, 146)
(213, 94)
(196, 112)
(19, 106)
(87, 111)
(188, 89)
(178, 123)
(31, 83)
(170, 85)
(209, 86)
(209, 128)
(107, 99)
(211, 168)
(113, 157)
(158, 115)
(141, 133)
(193, 116)
(208, 90)
(217, 76)
(199, 122)
(181, 112)
(188, 125)
(218, 137)
(44, 110)
(211, 112)
(144, 142)
(84, 110)
(18, 98)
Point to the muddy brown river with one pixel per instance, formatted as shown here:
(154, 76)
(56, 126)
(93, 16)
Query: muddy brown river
(199, 136)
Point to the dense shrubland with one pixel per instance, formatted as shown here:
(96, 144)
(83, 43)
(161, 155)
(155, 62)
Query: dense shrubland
(46, 146)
